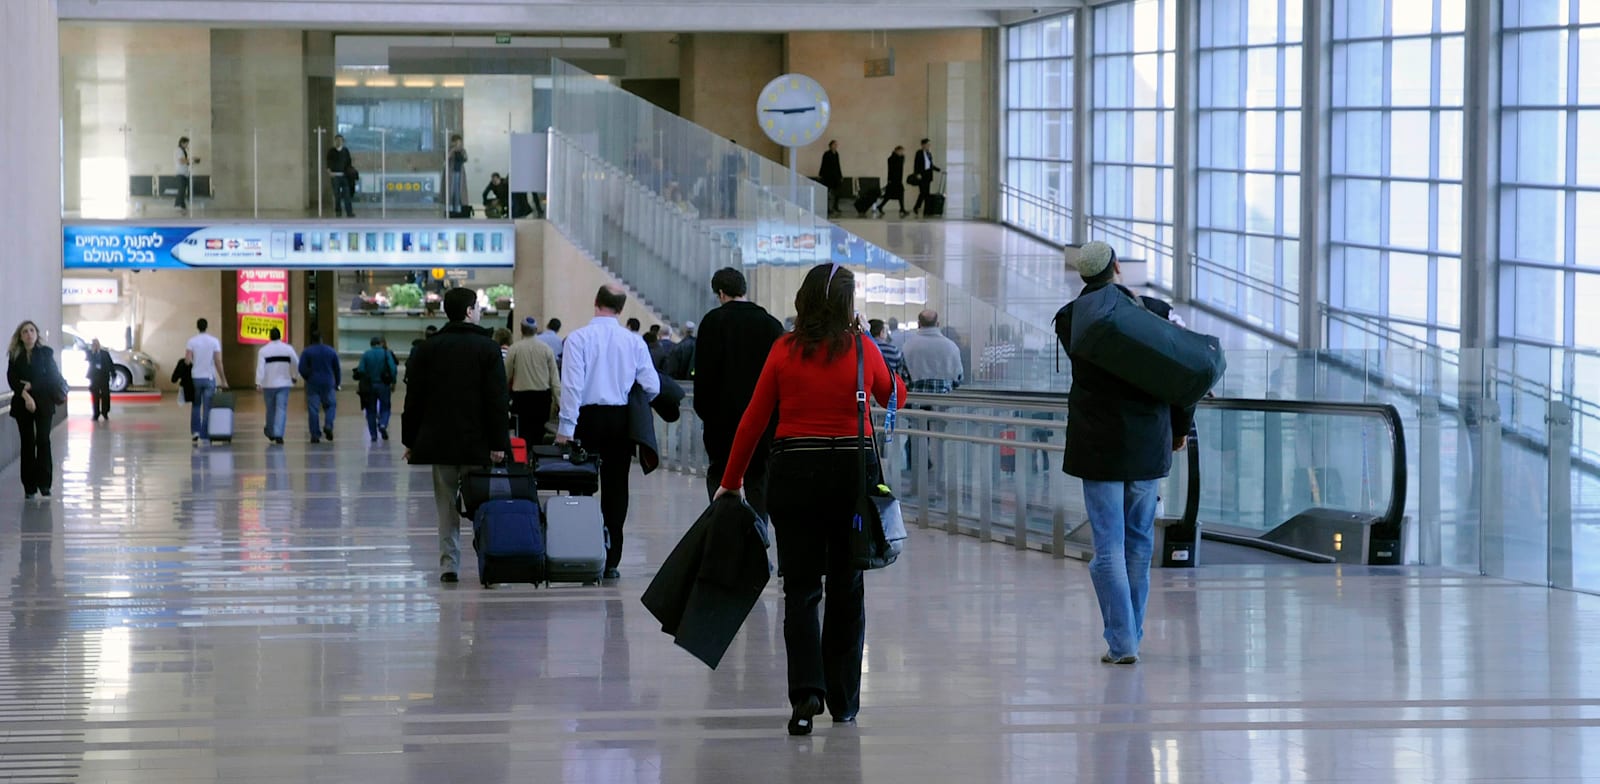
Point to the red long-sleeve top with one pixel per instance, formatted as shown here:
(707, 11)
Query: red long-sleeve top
(814, 397)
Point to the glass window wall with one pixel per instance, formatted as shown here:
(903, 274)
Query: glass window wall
(1396, 158)
(1550, 173)
(1131, 177)
(1248, 160)
(1039, 132)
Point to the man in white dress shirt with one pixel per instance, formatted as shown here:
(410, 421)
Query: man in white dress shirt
(601, 363)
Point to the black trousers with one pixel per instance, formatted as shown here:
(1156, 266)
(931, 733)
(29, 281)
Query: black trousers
(100, 396)
(38, 463)
(922, 193)
(898, 198)
(182, 201)
(603, 430)
(718, 445)
(813, 500)
(533, 412)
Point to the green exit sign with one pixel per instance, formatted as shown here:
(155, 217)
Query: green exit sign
(502, 38)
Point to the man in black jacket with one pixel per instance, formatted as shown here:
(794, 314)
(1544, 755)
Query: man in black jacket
(831, 175)
(922, 170)
(457, 413)
(1120, 443)
(100, 369)
(342, 173)
(734, 342)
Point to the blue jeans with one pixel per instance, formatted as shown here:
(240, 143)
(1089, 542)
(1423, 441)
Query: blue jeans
(343, 190)
(277, 400)
(378, 409)
(200, 407)
(1122, 517)
(318, 400)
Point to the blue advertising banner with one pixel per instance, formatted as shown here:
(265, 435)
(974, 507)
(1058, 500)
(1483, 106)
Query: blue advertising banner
(288, 245)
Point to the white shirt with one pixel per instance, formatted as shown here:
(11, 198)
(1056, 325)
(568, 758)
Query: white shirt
(599, 367)
(205, 349)
(181, 160)
(278, 374)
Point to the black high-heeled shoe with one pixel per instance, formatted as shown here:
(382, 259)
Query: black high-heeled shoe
(800, 721)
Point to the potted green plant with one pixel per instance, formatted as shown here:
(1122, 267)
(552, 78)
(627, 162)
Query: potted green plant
(500, 294)
(405, 296)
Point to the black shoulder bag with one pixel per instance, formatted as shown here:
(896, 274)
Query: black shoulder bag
(878, 531)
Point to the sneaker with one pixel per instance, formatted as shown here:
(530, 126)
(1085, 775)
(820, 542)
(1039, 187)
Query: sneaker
(449, 577)
(384, 431)
(611, 574)
(1109, 659)
(328, 434)
(29, 495)
(194, 439)
(278, 441)
(316, 440)
(44, 492)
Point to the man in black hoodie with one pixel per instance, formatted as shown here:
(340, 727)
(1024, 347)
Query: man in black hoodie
(457, 413)
(733, 345)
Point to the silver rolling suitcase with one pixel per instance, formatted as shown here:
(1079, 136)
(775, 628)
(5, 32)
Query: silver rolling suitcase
(575, 539)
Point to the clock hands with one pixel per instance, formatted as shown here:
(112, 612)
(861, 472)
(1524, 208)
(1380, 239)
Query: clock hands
(800, 110)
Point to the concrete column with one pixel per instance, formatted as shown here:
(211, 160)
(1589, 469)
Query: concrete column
(30, 164)
(1480, 231)
(1184, 180)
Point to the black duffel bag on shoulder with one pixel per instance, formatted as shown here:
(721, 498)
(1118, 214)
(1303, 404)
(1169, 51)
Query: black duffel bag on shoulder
(1114, 331)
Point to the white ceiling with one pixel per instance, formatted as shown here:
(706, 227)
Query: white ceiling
(568, 15)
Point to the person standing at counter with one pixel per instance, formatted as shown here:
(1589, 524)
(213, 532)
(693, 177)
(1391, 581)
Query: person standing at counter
(36, 389)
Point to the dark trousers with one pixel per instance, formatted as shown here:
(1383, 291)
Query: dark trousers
(182, 202)
(922, 193)
(813, 500)
(100, 396)
(833, 198)
(898, 198)
(343, 191)
(718, 445)
(533, 411)
(38, 463)
(603, 431)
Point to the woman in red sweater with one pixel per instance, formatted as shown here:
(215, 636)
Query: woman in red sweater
(810, 382)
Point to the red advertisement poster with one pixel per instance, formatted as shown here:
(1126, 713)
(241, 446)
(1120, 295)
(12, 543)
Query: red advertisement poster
(263, 304)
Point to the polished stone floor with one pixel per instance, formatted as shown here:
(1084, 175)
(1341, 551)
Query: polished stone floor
(271, 614)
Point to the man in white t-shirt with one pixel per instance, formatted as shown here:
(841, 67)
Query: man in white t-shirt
(204, 353)
(276, 372)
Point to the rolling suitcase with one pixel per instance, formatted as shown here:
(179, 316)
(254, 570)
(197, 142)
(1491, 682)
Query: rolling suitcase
(865, 200)
(933, 206)
(219, 426)
(575, 539)
(565, 468)
(508, 537)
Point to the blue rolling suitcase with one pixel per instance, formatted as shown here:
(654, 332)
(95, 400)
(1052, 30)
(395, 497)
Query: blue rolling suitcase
(509, 538)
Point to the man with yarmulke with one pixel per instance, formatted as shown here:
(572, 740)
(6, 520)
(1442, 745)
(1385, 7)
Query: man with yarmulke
(1119, 442)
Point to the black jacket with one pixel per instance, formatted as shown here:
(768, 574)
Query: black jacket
(734, 342)
(44, 383)
(457, 399)
(680, 360)
(183, 376)
(339, 160)
(922, 167)
(100, 367)
(831, 174)
(1116, 433)
(894, 185)
(712, 579)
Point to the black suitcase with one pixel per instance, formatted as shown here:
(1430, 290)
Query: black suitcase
(865, 200)
(508, 536)
(466, 211)
(933, 205)
(565, 468)
(494, 484)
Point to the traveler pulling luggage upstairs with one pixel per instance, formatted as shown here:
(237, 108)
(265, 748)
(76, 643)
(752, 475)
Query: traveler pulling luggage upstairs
(1136, 378)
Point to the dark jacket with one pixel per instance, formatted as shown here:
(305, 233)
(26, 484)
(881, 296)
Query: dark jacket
(642, 426)
(713, 577)
(894, 185)
(183, 376)
(457, 401)
(922, 165)
(680, 360)
(100, 367)
(44, 383)
(831, 174)
(319, 366)
(734, 342)
(1116, 433)
(339, 160)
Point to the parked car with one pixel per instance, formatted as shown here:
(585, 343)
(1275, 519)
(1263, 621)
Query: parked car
(131, 368)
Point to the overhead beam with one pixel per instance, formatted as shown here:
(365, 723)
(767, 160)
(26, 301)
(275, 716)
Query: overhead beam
(555, 15)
